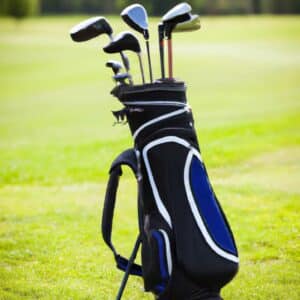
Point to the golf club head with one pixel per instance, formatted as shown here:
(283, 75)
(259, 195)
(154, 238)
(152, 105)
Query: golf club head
(192, 24)
(123, 41)
(136, 17)
(176, 12)
(121, 77)
(90, 29)
(115, 65)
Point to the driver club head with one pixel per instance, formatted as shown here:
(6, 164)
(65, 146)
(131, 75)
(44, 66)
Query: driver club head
(192, 24)
(136, 17)
(90, 29)
(123, 41)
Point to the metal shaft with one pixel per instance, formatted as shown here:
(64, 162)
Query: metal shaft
(170, 58)
(141, 67)
(149, 61)
(161, 49)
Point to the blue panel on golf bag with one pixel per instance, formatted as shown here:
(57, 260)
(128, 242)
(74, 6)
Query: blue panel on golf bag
(162, 262)
(208, 207)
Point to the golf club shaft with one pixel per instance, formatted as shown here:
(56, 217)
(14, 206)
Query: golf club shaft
(170, 58)
(126, 65)
(141, 67)
(149, 61)
(161, 49)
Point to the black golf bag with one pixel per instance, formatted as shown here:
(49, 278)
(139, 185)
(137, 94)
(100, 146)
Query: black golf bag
(187, 247)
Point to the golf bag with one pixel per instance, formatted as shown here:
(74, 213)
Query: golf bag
(187, 247)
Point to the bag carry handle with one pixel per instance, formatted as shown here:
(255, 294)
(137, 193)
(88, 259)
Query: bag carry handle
(128, 158)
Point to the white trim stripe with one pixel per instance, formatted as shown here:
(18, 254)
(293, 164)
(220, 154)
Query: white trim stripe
(156, 103)
(158, 119)
(168, 251)
(196, 213)
(159, 203)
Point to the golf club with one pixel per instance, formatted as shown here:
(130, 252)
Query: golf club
(136, 17)
(92, 28)
(161, 43)
(114, 65)
(126, 41)
(120, 78)
(178, 14)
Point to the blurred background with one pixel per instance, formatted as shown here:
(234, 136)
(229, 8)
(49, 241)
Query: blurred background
(57, 141)
(154, 7)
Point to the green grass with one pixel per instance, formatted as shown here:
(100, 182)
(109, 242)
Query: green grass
(57, 142)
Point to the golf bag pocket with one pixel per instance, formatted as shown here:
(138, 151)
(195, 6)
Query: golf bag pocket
(211, 237)
(186, 203)
(156, 257)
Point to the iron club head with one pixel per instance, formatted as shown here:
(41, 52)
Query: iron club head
(114, 65)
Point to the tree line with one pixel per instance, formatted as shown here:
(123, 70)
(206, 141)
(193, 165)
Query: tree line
(22, 8)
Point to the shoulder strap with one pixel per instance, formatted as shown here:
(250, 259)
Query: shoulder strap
(128, 158)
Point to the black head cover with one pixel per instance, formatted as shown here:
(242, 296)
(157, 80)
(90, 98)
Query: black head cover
(170, 25)
(123, 41)
(136, 17)
(90, 28)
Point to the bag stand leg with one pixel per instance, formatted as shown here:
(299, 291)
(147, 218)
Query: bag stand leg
(130, 262)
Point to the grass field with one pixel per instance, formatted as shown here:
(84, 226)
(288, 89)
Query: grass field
(57, 142)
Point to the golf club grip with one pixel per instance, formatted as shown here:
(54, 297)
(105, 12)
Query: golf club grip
(162, 61)
(161, 49)
(170, 58)
(149, 61)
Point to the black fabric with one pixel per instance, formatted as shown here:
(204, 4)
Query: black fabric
(126, 158)
(151, 92)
